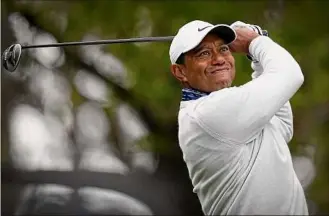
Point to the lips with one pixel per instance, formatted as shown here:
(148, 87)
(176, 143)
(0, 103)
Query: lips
(219, 70)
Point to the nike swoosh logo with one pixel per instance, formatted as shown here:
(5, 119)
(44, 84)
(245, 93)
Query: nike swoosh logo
(201, 29)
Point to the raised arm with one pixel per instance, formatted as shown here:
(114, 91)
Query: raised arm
(283, 119)
(238, 114)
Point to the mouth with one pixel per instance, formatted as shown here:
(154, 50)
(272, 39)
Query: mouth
(222, 70)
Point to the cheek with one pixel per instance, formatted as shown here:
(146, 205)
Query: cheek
(197, 71)
(231, 61)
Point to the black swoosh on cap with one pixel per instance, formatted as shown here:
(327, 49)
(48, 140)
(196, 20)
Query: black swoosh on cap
(201, 29)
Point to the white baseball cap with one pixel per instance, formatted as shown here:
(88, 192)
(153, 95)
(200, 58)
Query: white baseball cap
(191, 34)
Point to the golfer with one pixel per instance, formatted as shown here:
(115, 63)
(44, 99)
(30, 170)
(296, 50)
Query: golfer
(234, 139)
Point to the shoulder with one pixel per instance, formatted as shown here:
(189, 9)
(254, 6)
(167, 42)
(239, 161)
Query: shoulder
(217, 103)
(217, 106)
(209, 101)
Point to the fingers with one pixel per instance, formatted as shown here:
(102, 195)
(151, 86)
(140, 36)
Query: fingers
(245, 34)
(244, 37)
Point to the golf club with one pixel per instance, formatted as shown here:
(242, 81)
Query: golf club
(12, 55)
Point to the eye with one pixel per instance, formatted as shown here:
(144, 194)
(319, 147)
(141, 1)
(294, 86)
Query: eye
(224, 48)
(204, 53)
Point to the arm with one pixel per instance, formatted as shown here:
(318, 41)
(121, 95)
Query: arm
(238, 114)
(283, 119)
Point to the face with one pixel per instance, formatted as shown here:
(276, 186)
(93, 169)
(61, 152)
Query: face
(208, 67)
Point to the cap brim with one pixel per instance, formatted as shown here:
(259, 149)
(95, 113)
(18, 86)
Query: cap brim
(223, 31)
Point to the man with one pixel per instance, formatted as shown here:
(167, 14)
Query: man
(234, 139)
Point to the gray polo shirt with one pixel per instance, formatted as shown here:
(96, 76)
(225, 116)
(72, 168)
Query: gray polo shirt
(234, 141)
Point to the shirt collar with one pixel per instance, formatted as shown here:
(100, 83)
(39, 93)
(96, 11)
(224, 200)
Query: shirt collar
(192, 94)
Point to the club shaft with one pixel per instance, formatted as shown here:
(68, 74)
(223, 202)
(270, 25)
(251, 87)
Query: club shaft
(97, 42)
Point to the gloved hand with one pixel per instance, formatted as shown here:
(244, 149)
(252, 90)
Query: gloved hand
(255, 28)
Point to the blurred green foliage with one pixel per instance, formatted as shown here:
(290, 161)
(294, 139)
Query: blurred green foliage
(299, 26)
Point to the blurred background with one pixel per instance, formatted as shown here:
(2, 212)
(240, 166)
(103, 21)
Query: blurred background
(93, 129)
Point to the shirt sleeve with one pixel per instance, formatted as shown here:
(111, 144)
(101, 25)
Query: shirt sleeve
(283, 119)
(238, 114)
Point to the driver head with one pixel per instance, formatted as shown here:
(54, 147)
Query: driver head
(11, 57)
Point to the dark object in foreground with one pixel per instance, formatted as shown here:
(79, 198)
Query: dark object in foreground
(166, 192)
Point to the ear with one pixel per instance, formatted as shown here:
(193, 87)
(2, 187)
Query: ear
(179, 71)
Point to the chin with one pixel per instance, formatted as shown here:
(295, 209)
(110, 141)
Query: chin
(223, 84)
(227, 84)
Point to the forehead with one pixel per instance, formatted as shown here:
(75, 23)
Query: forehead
(210, 39)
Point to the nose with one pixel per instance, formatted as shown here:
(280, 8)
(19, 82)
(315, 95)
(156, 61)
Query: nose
(218, 59)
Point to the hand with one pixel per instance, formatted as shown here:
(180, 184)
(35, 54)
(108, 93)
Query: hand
(244, 37)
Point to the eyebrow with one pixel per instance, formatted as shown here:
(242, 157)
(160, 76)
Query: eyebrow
(199, 47)
(202, 46)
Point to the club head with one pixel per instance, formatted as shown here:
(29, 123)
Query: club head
(11, 57)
